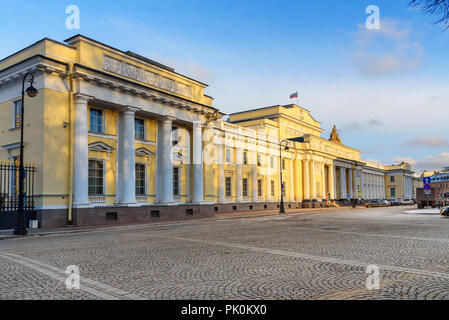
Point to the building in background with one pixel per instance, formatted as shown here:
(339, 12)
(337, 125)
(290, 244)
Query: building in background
(440, 181)
(116, 137)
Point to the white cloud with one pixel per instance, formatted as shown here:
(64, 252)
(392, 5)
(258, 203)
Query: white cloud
(427, 142)
(429, 163)
(387, 50)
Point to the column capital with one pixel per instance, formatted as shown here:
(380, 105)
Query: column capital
(197, 124)
(83, 97)
(130, 110)
(168, 119)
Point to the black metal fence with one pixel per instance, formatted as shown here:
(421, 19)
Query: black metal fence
(9, 186)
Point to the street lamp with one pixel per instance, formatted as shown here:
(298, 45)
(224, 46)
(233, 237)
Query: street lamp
(31, 92)
(282, 208)
(286, 148)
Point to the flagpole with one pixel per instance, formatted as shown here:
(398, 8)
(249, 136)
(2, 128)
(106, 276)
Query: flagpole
(297, 98)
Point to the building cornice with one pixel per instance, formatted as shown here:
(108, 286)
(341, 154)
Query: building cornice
(117, 83)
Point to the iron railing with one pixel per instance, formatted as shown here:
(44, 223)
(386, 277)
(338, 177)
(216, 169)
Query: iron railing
(9, 186)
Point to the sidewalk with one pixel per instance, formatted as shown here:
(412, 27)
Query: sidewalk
(8, 234)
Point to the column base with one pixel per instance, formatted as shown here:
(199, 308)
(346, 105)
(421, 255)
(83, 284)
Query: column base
(82, 205)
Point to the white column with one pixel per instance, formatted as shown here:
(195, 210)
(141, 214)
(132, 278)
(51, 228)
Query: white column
(362, 183)
(323, 181)
(81, 152)
(331, 182)
(313, 180)
(306, 177)
(351, 184)
(239, 176)
(166, 179)
(254, 176)
(292, 182)
(268, 172)
(129, 158)
(198, 180)
(221, 175)
(343, 183)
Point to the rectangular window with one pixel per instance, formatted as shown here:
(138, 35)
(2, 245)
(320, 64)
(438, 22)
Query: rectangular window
(283, 164)
(176, 179)
(139, 125)
(259, 188)
(18, 114)
(175, 135)
(140, 180)
(245, 187)
(272, 162)
(245, 157)
(392, 179)
(96, 178)
(228, 156)
(393, 192)
(259, 160)
(96, 120)
(272, 188)
(228, 187)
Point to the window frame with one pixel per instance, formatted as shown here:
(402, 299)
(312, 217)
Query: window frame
(259, 187)
(177, 186)
(103, 178)
(245, 187)
(14, 119)
(144, 129)
(103, 129)
(273, 185)
(228, 194)
(144, 180)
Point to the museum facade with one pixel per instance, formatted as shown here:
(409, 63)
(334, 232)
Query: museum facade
(118, 138)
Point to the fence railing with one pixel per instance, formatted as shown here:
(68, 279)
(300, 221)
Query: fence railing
(9, 186)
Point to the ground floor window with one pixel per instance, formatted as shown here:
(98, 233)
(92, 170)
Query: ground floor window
(272, 188)
(140, 180)
(259, 188)
(393, 192)
(245, 187)
(96, 178)
(176, 180)
(228, 187)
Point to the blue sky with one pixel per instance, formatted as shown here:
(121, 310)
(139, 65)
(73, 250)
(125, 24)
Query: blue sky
(386, 90)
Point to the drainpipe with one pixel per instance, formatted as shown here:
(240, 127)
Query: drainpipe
(70, 206)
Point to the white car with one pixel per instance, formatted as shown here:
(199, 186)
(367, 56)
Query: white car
(408, 202)
(388, 203)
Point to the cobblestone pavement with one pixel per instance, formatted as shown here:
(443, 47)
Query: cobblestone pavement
(320, 255)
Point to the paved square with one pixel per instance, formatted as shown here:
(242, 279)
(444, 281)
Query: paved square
(320, 255)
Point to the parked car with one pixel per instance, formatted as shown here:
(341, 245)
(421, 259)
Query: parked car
(408, 202)
(376, 204)
(445, 211)
(388, 203)
(399, 201)
(394, 202)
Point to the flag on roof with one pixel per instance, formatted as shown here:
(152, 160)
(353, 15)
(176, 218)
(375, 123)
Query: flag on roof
(294, 95)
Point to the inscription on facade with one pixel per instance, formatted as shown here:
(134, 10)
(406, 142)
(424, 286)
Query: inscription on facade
(130, 71)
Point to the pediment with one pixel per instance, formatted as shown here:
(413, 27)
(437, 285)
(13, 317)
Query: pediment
(100, 147)
(144, 152)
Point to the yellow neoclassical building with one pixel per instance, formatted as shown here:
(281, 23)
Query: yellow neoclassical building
(116, 137)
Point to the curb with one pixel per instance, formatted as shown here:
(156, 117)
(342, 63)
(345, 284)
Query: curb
(216, 218)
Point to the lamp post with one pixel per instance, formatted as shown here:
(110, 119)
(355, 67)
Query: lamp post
(282, 208)
(31, 92)
(286, 148)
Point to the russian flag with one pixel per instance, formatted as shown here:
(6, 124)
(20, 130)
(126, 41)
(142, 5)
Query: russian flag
(294, 95)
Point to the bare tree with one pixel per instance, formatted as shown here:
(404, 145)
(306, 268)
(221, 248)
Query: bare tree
(434, 7)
